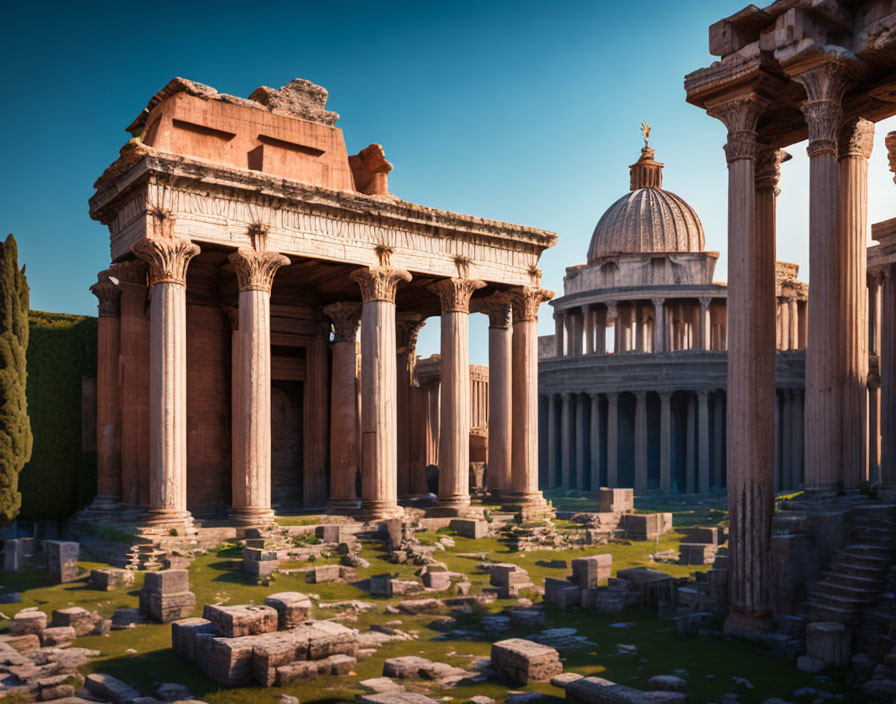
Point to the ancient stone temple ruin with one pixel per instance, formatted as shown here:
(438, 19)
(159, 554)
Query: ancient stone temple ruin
(793, 71)
(646, 408)
(247, 250)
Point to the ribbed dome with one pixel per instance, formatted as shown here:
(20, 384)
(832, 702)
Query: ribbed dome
(647, 219)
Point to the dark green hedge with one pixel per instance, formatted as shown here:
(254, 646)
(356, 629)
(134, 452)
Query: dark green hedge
(60, 477)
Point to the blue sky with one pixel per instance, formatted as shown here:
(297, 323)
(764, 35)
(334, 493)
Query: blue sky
(521, 111)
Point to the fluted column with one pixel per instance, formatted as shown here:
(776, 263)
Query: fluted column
(582, 428)
(787, 482)
(566, 435)
(407, 327)
(524, 472)
(379, 456)
(251, 471)
(595, 442)
(613, 439)
(559, 328)
(590, 315)
(690, 446)
(856, 141)
(718, 445)
(500, 398)
(600, 323)
(888, 377)
(108, 395)
(613, 317)
(640, 443)
(824, 86)
(751, 362)
(168, 258)
(793, 319)
(666, 442)
(454, 447)
(345, 431)
(874, 420)
(704, 326)
(659, 325)
(553, 429)
(703, 442)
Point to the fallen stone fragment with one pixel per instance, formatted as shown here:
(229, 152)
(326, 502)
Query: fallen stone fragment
(563, 679)
(81, 620)
(397, 696)
(667, 683)
(523, 660)
(109, 688)
(419, 606)
(28, 621)
(236, 621)
(57, 636)
(293, 608)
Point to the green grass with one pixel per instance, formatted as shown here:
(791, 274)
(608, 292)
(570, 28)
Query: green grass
(215, 578)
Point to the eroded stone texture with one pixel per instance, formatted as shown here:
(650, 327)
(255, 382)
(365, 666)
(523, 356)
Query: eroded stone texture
(523, 660)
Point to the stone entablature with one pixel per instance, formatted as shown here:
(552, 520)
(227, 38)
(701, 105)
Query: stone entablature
(648, 269)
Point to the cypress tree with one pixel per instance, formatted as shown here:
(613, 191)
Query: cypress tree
(15, 426)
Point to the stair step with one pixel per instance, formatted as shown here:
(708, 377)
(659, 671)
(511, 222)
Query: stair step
(837, 588)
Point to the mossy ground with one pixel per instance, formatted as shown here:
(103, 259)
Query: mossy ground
(710, 663)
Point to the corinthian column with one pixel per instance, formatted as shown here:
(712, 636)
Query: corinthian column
(640, 443)
(379, 441)
(168, 258)
(524, 472)
(666, 442)
(500, 399)
(345, 431)
(108, 395)
(407, 327)
(825, 85)
(751, 364)
(251, 472)
(659, 325)
(856, 140)
(454, 446)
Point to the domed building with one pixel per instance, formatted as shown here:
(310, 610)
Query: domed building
(632, 383)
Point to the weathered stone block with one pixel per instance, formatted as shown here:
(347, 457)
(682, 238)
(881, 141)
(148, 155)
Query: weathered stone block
(62, 560)
(57, 637)
(293, 608)
(588, 571)
(13, 555)
(111, 578)
(236, 621)
(230, 660)
(110, 689)
(296, 672)
(184, 633)
(596, 690)
(561, 593)
(322, 573)
(260, 569)
(273, 651)
(81, 620)
(830, 642)
(329, 638)
(394, 696)
(523, 660)
(28, 621)
(380, 584)
(609, 601)
(419, 606)
(437, 580)
(259, 555)
(331, 534)
(643, 526)
(26, 643)
(166, 608)
(167, 582)
(616, 500)
(469, 528)
(703, 536)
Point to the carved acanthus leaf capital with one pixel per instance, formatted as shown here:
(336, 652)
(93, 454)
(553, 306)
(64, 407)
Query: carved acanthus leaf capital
(890, 142)
(768, 169)
(255, 270)
(526, 301)
(168, 258)
(740, 115)
(407, 327)
(108, 296)
(857, 138)
(132, 271)
(825, 85)
(498, 308)
(378, 283)
(346, 317)
(455, 293)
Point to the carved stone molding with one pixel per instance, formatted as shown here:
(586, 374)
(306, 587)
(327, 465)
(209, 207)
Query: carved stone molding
(168, 258)
(255, 270)
(825, 85)
(407, 327)
(455, 293)
(857, 138)
(346, 317)
(378, 283)
(526, 301)
(768, 169)
(890, 142)
(740, 115)
(498, 308)
(132, 271)
(108, 297)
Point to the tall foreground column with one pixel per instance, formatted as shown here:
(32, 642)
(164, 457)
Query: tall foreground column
(251, 474)
(856, 141)
(345, 431)
(168, 258)
(500, 398)
(751, 363)
(524, 471)
(824, 86)
(108, 395)
(379, 458)
(454, 448)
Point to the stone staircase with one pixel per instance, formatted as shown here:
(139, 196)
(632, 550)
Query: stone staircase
(858, 571)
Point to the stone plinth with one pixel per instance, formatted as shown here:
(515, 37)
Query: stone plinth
(236, 621)
(588, 571)
(293, 608)
(13, 555)
(110, 578)
(166, 596)
(616, 500)
(829, 642)
(62, 560)
(523, 660)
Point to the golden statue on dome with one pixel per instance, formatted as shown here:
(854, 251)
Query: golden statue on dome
(645, 131)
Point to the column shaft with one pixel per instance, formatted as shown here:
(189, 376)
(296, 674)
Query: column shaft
(703, 441)
(566, 442)
(582, 428)
(612, 439)
(888, 380)
(595, 442)
(659, 325)
(553, 479)
(500, 398)
(640, 443)
(666, 443)
(690, 455)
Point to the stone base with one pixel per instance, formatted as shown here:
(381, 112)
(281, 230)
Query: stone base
(530, 504)
(343, 507)
(451, 507)
(104, 508)
(754, 626)
(258, 517)
(378, 510)
(172, 519)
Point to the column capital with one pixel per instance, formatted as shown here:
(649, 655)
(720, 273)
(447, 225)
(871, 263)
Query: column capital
(890, 142)
(346, 317)
(768, 169)
(825, 84)
(378, 283)
(641, 395)
(740, 115)
(526, 300)
(612, 396)
(455, 292)
(702, 395)
(857, 138)
(595, 396)
(255, 270)
(705, 301)
(665, 396)
(407, 327)
(657, 302)
(498, 309)
(168, 257)
(108, 296)
(131, 271)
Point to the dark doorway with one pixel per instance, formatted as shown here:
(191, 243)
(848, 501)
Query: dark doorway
(286, 443)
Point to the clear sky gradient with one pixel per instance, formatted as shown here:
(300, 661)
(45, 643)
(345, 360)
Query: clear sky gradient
(521, 111)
